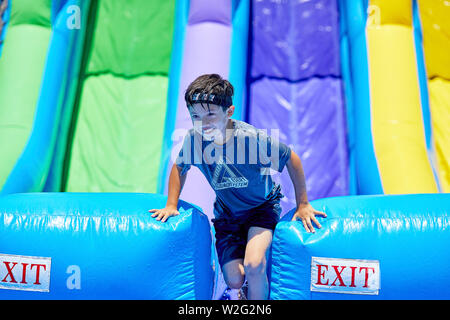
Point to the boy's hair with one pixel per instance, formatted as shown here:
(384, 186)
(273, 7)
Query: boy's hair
(210, 88)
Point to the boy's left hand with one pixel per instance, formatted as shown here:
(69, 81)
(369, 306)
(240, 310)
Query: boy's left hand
(307, 213)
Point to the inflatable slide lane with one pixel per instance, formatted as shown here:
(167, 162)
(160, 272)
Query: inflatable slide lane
(390, 121)
(101, 246)
(115, 134)
(295, 88)
(434, 17)
(369, 247)
(210, 39)
(25, 37)
(56, 94)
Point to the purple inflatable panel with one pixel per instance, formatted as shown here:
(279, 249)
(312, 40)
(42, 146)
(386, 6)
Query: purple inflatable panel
(199, 58)
(297, 89)
(295, 39)
(309, 116)
(206, 50)
(209, 11)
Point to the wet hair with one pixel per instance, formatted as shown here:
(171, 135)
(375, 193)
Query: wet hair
(210, 89)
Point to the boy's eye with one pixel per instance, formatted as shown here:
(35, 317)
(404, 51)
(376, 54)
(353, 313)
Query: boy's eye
(195, 116)
(211, 114)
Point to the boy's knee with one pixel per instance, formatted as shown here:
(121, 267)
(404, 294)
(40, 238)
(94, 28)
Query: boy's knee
(235, 281)
(233, 274)
(255, 267)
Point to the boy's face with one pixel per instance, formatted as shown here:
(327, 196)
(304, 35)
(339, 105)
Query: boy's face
(210, 123)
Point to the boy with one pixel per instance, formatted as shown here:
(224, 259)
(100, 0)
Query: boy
(236, 159)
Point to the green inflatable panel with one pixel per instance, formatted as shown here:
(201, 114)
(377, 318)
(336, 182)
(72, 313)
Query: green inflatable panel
(21, 68)
(119, 128)
(132, 38)
(118, 135)
(35, 12)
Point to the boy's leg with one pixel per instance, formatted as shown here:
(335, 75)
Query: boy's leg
(255, 262)
(233, 273)
(230, 246)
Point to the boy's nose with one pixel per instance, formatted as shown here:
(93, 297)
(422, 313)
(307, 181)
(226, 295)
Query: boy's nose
(206, 124)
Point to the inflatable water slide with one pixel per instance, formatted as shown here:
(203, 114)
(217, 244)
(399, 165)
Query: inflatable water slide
(92, 116)
(393, 127)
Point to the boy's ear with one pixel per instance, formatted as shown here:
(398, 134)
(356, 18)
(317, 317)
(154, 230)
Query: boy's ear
(230, 111)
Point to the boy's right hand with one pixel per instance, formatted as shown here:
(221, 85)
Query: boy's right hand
(164, 213)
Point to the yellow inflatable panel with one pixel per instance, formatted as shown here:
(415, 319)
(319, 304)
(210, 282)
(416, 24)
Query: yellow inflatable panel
(391, 12)
(397, 124)
(435, 18)
(439, 92)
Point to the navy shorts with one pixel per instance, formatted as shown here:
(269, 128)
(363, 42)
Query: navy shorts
(231, 231)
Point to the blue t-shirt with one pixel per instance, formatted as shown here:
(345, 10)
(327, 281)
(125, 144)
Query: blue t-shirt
(239, 170)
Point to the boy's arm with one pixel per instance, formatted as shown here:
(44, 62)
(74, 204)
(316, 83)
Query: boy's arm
(176, 183)
(304, 211)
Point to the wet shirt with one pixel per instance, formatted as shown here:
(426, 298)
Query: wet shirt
(240, 170)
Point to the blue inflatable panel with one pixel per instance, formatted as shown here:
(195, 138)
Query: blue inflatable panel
(363, 157)
(238, 56)
(369, 247)
(102, 246)
(424, 95)
(176, 61)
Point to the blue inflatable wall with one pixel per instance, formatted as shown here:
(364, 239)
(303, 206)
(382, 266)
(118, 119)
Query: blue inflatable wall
(405, 236)
(102, 246)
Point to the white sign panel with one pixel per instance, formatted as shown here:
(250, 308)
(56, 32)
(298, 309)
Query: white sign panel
(345, 275)
(24, 273)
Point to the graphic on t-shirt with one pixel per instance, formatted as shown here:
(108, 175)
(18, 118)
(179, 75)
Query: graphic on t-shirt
(227, 176)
